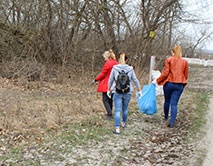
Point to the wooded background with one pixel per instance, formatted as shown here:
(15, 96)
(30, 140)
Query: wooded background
(58, 39)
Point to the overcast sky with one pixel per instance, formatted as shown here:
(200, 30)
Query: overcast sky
(204, 10)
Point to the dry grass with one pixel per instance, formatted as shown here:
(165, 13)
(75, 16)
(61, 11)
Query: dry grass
(28, 109)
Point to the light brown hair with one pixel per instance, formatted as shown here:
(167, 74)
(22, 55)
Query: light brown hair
(109, 54)
(122, 58)
(177, 51)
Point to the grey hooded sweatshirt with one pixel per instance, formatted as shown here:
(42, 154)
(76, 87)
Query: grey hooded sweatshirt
(131, 74)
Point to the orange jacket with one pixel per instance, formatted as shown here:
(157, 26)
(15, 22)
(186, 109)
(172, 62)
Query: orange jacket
(175, 70)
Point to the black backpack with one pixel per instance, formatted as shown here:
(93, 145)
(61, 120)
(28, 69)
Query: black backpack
(122, 82)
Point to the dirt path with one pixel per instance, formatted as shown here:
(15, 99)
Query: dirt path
(209, 138)
(202, 81)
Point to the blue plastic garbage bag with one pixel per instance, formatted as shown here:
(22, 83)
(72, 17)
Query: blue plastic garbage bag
(147, 102)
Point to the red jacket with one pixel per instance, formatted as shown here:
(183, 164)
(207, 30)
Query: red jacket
(104, 76)
(175, 70)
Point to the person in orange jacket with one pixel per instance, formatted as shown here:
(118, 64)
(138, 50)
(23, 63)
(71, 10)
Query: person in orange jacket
(103, 78)
(173, 78)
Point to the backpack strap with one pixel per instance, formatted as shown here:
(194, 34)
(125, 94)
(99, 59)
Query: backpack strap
(123, 70)
(117, 70)
(129, 71)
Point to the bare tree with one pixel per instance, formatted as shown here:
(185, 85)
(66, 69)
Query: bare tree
(72, 33)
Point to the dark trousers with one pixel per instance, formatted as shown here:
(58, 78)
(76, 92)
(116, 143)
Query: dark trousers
(108, 103)
(172, 93)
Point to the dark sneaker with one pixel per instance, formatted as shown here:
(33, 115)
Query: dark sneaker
(108, 114)
(170, 125)
(165, 119)
(109, 117)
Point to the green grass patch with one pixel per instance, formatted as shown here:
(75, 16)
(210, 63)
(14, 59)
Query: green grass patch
(15, 150)
(34, 163)
(84, 132)
(198, 115)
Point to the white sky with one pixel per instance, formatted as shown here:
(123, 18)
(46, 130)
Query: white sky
(204, 10)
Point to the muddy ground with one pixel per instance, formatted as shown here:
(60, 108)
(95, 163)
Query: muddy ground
(56, 125)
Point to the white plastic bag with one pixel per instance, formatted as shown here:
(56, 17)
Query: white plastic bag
(155, 75)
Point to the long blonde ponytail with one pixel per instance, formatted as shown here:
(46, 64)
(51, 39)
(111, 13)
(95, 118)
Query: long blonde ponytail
(177, 51)
(109, 54)
(123, 58)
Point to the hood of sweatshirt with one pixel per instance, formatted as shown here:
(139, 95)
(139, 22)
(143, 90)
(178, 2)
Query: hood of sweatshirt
(124, 67)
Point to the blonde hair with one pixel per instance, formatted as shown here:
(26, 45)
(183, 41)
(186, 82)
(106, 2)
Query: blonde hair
(177, 51)
(122, 58)
(109, 54)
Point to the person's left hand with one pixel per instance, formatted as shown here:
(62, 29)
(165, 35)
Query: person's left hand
(109, 94)
(93, 81)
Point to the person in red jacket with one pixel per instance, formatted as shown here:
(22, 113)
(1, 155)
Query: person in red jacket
(173, 78)
(103, 78)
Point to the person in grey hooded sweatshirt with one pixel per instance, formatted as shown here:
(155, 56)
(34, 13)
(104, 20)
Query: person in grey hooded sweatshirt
(122, 99)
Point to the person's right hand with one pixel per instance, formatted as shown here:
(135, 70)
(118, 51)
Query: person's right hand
(154, 82)
(139, 94)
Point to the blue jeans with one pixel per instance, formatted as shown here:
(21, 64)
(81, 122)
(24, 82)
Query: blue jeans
(121, 101)
(172, 93)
